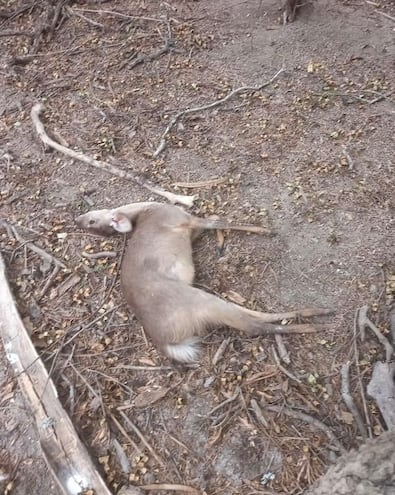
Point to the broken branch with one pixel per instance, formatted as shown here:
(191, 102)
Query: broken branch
(208, 106)
(107, 167)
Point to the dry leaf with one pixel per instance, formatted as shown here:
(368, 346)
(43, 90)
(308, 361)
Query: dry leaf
(346, 417)
(149, 396)
(235, 297)
(147, 362)
(67, 284)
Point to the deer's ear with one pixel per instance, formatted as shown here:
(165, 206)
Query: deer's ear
(121, 223)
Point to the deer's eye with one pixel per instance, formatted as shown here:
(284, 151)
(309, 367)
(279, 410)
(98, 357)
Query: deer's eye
(91, 222)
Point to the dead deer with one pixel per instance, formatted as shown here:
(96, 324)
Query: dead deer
(157, 273)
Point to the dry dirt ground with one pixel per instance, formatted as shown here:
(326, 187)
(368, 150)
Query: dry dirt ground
(311, 155)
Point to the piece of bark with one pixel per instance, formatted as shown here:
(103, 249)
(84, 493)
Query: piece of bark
(382, 389)
(370, 470)
(65, 454)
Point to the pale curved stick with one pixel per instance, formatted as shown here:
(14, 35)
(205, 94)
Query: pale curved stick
(107, 167)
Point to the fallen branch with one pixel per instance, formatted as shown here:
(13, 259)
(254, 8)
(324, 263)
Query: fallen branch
(365, 322)
(65, 454)
(349, 401)
(177, 117)
(316, 423)
(107, 167)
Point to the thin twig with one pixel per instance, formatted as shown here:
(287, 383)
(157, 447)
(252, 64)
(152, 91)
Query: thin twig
(281, 368)
(258, 413)
(380, 97)
(111, 379)
(101, 254)
(107, 167)
(75, 12)
(220, 351)
(385, 15)
(172, 437)
(131, 425)
(349, 401)
(92, 322)
(347, 97)
(172, 487)
(15, 13)
(225, 402)
(292, 413)
(119, 14)
(166, 48)
(107, 412)
(5, 34)
(48, 283)
(201, 183)
(142, 368)
(176, 118)
(126, 434)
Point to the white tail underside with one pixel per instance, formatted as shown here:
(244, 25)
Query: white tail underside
(184, 352)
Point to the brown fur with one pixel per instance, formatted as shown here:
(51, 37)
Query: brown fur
(157, 273)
